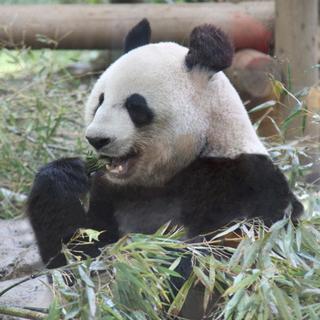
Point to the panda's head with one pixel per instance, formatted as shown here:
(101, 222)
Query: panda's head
(160, 106)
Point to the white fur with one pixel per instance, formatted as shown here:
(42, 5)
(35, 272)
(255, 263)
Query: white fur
(113, 121)
(190, 106)
(230, 130)
(157, 72)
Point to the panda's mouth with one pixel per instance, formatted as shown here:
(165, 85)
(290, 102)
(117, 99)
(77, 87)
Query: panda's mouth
(121, 167)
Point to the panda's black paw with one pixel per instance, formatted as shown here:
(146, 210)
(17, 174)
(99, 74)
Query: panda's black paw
(55, 206)
(63, 177)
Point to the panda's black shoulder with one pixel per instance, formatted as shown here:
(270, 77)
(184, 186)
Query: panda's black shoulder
(218, 190)
(245, 176)
(243, 168)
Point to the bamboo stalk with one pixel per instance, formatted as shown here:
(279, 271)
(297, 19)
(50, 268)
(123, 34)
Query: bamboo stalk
(22, 313)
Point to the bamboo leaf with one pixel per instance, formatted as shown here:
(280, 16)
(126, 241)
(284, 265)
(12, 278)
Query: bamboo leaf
(85, 277)
(263, 106)
(91, 298)
(244, 282)
(228, 230)
(233, 302)
(54, 310)
(281, 303)
(180, 298)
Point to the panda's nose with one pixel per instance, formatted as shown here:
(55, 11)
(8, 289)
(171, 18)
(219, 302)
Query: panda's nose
(98, 142)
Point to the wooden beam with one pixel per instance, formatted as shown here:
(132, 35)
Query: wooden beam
(250, 24)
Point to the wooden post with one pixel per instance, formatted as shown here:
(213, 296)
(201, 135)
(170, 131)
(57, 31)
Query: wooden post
(296, 47)
(296, 40)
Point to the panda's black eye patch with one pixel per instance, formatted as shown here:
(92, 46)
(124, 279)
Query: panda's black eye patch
(138, 110)
(101, 99)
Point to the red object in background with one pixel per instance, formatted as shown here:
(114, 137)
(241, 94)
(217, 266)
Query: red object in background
(247, 32)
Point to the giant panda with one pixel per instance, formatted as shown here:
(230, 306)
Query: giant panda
(180, 144)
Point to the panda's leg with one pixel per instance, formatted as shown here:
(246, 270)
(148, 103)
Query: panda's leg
(55, 209)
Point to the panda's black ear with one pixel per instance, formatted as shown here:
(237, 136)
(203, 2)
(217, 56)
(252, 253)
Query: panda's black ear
(138, 36)
(209, 48)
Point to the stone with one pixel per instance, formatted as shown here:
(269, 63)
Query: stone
(19, 259)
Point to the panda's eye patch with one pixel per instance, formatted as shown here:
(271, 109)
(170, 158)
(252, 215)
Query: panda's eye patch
(101, 99)
(138, 110)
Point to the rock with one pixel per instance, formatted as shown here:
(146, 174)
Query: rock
(33, 293)
(18, 251)
(19, 258)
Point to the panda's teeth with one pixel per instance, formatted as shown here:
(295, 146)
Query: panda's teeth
(115, 169)
(118, 166)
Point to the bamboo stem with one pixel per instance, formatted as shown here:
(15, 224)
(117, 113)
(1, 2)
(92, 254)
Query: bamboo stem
(21, 312)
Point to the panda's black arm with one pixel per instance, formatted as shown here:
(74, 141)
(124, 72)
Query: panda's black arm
(56, 212)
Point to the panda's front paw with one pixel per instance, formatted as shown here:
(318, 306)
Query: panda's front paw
(55, 206)
(63, 177)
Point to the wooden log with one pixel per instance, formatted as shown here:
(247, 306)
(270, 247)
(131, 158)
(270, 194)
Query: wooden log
(249, 24)
(250, 74)
(126, 1)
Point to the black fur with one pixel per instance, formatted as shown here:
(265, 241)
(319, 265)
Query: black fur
(139, 111)
(101, 99)
(55, 209)
(222, 190)
(210, 48)
(211, 192)
(138, 36)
